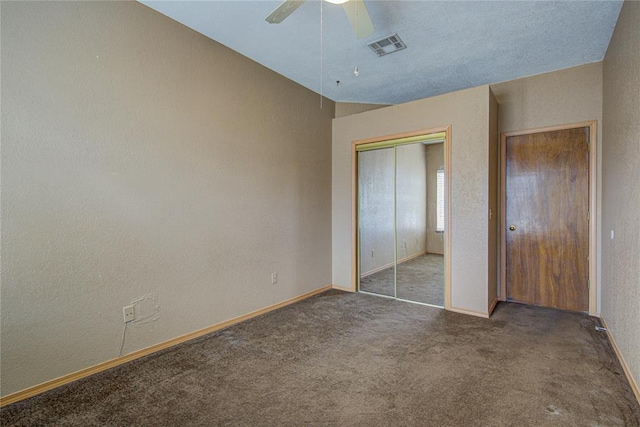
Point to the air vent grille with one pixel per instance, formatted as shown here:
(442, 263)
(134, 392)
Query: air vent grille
(387, 45)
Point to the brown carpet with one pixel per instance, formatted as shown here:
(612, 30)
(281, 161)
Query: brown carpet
(342, 359)
(420, 279)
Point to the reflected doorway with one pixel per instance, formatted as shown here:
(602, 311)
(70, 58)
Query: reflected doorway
(401, 219)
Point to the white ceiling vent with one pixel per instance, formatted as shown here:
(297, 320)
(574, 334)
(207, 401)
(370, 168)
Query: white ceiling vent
(387, 45)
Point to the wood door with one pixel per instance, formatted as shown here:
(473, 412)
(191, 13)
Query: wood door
(547, 209)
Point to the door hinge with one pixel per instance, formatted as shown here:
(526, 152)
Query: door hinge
(588, 284)
(588, 215)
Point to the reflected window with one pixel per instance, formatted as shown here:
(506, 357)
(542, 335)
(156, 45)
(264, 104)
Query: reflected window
(440, 201)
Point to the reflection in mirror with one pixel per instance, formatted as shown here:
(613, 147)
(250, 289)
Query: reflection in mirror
(420, 263)
(401, 222)
(376, 176)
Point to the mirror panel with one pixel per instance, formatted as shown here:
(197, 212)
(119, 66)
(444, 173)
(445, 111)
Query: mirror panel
(376, 221)
(401, 222)
(420, 261)
(411, 221)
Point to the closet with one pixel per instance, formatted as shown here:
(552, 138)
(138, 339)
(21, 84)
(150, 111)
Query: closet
(401, 218)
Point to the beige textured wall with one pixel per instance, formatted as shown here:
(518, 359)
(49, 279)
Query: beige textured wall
(435, 160)
(392, 185)
(376, 195)
(411, 200)
(621, 187)
(561, 97)
(141, 160)
(349, 108)
(467, 112)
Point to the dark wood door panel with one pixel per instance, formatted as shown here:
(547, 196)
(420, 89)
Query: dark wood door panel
(547, 202)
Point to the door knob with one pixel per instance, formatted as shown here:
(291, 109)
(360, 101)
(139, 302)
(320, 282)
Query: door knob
(512, 227)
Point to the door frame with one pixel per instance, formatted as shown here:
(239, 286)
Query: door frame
(593, 217)
(447, 204)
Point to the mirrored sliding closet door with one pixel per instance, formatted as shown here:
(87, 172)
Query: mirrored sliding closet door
(401, 221)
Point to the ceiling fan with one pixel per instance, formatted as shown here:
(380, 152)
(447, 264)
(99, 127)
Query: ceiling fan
(355, 9)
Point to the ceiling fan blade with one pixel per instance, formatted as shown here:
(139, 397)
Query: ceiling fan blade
(285, 9)
(359, 18)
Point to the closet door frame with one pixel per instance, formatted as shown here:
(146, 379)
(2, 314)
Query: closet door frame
(392, 140)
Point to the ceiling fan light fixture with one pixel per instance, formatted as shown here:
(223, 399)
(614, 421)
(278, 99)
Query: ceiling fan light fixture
(356, 12)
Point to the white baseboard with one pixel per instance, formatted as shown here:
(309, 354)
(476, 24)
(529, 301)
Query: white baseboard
(468, 312)
(493, 306)
(625, 367)
(74, 376)
(341, 288)
(391, 264)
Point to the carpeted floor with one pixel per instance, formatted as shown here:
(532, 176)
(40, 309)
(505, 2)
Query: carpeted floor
(420, 279)
(341, 359)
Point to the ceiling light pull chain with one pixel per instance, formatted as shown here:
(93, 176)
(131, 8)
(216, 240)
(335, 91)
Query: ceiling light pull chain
(321, 10)
(356, 72)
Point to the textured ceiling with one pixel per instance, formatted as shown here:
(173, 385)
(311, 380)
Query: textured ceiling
(451, 45)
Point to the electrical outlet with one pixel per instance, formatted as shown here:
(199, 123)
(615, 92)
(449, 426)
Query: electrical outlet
(129, 314)
(274, 278)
